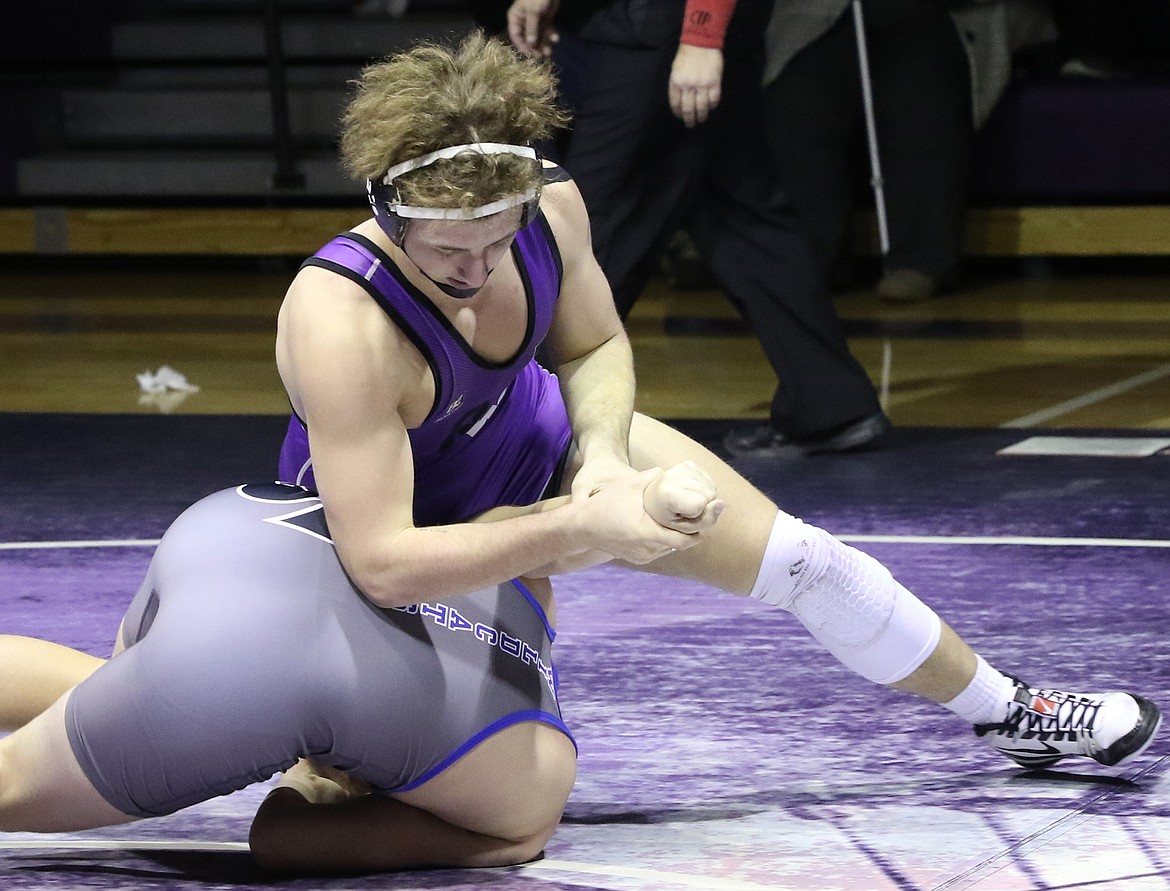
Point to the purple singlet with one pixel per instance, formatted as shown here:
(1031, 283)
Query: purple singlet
(497, 432)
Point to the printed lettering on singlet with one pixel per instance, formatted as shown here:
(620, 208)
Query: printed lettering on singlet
(473, 420)
(450, 618)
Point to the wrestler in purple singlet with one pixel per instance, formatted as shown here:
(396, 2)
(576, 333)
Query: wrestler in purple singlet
(497, 433)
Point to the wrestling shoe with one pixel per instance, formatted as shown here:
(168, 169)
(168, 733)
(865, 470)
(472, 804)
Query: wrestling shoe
(1044, 726)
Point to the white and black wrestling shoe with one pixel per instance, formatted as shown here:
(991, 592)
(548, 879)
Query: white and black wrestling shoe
(1044, 726)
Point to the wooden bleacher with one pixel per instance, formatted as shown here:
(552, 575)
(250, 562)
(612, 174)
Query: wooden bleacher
(991, 232)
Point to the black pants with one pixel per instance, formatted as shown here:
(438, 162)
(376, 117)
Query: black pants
(922, 106)
(644, 176)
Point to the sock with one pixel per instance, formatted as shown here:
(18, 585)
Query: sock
(984, 700)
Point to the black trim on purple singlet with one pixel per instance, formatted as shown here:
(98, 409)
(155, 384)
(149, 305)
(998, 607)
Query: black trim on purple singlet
(415, 293)
(391, 311)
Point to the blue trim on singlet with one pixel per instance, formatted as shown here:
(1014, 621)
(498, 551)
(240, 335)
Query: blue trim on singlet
(507, 720)
(490, 730)
(537, 608)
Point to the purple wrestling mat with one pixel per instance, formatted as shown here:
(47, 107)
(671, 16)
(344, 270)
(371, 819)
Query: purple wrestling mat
(720, 748)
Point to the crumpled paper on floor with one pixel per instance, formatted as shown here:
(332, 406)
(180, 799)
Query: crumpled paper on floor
(164, 389)
(166, 378)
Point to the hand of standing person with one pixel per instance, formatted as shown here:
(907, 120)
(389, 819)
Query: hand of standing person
(695, 80)
(530, 26)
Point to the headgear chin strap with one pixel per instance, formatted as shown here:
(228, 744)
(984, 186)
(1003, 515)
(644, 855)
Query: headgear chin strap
(392, 214)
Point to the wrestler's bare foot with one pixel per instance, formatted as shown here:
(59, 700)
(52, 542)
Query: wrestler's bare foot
(320, 783)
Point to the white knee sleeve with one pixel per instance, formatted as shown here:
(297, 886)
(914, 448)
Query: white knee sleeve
(847, 600)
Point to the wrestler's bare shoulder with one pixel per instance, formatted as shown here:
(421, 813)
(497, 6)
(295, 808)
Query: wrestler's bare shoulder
(326, 320)
(319, 290)
(564, 208)
(322, 304)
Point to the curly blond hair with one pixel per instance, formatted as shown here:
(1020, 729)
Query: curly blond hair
(433, 96)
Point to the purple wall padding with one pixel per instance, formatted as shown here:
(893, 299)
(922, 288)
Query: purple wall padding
(1076, 140)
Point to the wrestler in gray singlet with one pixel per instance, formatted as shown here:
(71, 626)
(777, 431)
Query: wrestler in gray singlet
(248, 647)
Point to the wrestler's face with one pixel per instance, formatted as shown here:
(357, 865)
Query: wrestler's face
(459, 255)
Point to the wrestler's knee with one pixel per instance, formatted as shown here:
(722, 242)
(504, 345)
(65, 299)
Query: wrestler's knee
(531, 822)
(547, 786)
(524, 850)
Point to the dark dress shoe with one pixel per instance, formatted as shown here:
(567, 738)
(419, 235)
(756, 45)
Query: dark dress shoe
(766, 441)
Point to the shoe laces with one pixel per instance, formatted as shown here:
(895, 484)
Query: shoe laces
(1051, 715)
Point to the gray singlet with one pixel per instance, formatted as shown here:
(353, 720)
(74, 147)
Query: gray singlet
(248, 647)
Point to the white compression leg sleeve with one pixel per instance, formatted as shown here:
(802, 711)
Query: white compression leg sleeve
(847, 600)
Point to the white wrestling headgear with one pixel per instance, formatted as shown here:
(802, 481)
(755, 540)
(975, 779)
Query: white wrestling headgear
(392, 214)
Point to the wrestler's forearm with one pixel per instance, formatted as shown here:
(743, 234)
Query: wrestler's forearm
(508, 511)
(421, 564)
(574, 563)
(568, 565)
(598, 389)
